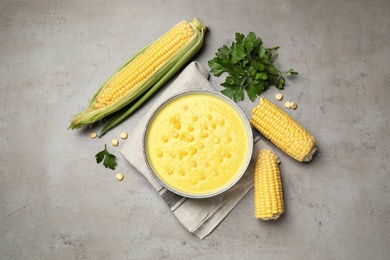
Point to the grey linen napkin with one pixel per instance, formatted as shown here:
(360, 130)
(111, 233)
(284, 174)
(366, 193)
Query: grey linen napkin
(198, 216)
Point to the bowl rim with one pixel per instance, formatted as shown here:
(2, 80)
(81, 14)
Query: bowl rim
(230, 102)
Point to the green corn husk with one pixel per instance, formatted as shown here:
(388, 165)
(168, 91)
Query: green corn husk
(136, 96)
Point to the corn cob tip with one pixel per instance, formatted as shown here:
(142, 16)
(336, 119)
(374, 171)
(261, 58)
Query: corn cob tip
(199, 23)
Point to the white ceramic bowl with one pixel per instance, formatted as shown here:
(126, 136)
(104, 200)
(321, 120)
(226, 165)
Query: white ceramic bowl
(249, 145)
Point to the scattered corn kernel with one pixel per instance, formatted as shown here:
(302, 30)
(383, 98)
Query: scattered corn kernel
(279, 96)
(114, 142)
(293, 105)
(119, 176)
(124, 135)
(287, 104)
(92, 135)
(159, 154)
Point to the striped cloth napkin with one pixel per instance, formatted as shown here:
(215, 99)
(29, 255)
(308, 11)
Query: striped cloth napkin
(198, 216)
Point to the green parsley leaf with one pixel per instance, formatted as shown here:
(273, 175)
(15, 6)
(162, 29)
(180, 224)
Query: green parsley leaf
(216, 68)
(249, 66)
(237, 94)
(109, 159)
(291, 72)
(280, 84)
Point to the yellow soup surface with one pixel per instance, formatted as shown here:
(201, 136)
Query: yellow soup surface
(197, 143)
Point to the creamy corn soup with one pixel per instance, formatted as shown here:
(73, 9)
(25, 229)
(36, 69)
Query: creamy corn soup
(197, 144)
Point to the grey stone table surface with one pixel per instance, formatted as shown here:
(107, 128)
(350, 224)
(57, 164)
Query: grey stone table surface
(57, 203)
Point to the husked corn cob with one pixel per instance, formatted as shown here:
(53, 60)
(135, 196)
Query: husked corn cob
(268, 190)
(146, 71)
(282, 130)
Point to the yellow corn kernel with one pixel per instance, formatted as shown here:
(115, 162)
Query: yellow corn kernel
(293, 105)
(119, 176)
(194, 150)
(92, 135)
(159, 154)
(114, 142)
(268, 193)
(190, 138)
(124, 135)
(282, 130)
(204, 135)
(279, 96)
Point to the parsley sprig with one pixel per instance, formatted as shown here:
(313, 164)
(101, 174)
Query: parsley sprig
(109, 159)
(250, 67)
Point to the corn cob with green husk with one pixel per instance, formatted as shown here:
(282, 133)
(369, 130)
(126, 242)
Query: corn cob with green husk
(142, 75)
(282, 130)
